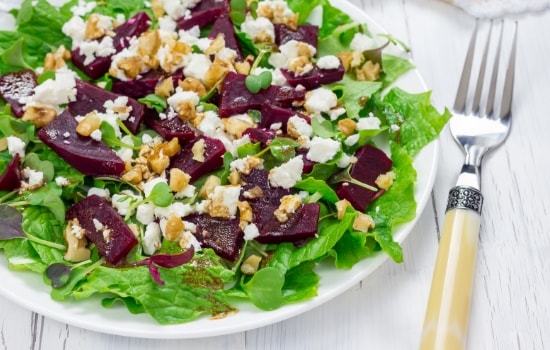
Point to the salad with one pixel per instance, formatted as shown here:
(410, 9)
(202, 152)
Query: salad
(180, 156)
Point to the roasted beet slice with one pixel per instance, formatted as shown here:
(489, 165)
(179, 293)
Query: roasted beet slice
(137, 88)
(224, 236)
(135, 26)
(371, 162)
(213, 158)
(11, 178)
(224, 25)
(315, 77)
(299, 227)
(104, 227)
(90, 97)
(236, 98)
(169, 127)
(306, 32)
(260, 135)
(14, 86)
(204, 13)
(86, 155)
(262, 206)
(273, 114)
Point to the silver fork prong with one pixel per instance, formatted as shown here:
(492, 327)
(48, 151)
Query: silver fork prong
(462, 92)
(508, 90)
(481, 74)
(494, 75)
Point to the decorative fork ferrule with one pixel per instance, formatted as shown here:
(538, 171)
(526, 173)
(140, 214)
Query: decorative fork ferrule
(465, 197)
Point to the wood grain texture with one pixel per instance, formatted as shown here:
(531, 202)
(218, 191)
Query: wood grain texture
(511, 298)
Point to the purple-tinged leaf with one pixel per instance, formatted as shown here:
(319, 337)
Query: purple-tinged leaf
(10, 223)
(165, 260)
(59, 274)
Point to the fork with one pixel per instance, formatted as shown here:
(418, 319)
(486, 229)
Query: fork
(478, 130)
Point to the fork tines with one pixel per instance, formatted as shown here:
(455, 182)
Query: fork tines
(492, 48)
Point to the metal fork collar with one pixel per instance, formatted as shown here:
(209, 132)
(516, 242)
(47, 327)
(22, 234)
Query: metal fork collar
(465, 197)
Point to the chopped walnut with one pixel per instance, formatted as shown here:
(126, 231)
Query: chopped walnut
(56, 60)
(193, 84)
(76, 242)
(346, 58)
(234, 177)
(174, 228)
(178, 179)
(131, 66)
(216, 45)
(384, 181)
(363, 222)
(133, 176)
(289, 205)
(368, 72)
(39, 116)
(341, 207)
(186, 110)
(243, 67)
(300, 65)
(89, 124)
(207, 188)
(253, 193)
(198, 151)
(347, 126)
(245, 211)
(148, 45)
(251, 265)
(93, 30)
(215, 74)
(158, 8)
(235, 126)
(165, 87)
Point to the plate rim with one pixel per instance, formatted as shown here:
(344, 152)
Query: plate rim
(76, 313)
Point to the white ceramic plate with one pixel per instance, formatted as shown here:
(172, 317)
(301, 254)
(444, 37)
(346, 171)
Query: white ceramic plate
(28, 290)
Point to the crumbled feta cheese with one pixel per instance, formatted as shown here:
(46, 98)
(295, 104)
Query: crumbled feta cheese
(188, 239)
(320, 100)
(260, 28)
(151, 241)
(34, 178)
(145, 213)
(287, 174)
(122, 202)
(188, 192)
(224, 201)
(95, 48)
(336, 112)
(197, 67)
(291, 49)
(181, 96)
(395, 128)
(16, 146)
(62, 181)
(368, 123)
(250, 232)
(178, 8)
(126, 153)
(167, 24)
(118, 106)
(101, 192)
(362, 42)
(96, 135)
(278, 60)
(328, 62)
(322, 150)
(54, 92)
(75, 28)
(211, 124)
(177, 208)
(345, 160)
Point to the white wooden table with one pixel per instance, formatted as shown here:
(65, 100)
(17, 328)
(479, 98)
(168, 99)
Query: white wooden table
(511, 297)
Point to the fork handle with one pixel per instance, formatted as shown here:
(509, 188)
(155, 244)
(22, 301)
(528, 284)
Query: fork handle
(446, 320)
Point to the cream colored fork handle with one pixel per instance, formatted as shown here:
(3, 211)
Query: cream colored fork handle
(446, 320)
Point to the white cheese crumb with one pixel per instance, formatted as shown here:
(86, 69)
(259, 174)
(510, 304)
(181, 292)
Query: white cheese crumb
(258, 28)
(96, 135)
(16, 146)
(181, 96)
(287, 174)
(62, 181)
(250, 232)
(34, 178)
(320, 100)
(351, 140)
(197, 67)
(101, 192)
(322, 150)
(151, 241)
(145, 213)
(368, 123)
(328, 62)
(362, 42)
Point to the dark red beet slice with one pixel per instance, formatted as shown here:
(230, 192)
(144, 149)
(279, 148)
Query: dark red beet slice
(14, 86)
(224, 25)
(260, 135)
(264, 206)
(135, 26)
(204, 13)
(213, 158)
(86, 155)
(371, 162)
(115, 239)
(236, 98)
(306, 32)
(11, 178)
(315, 78)
(170, 127)
(300, 227)
(137, 88)
(222, 235)
(90, 97)
(273, 114)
